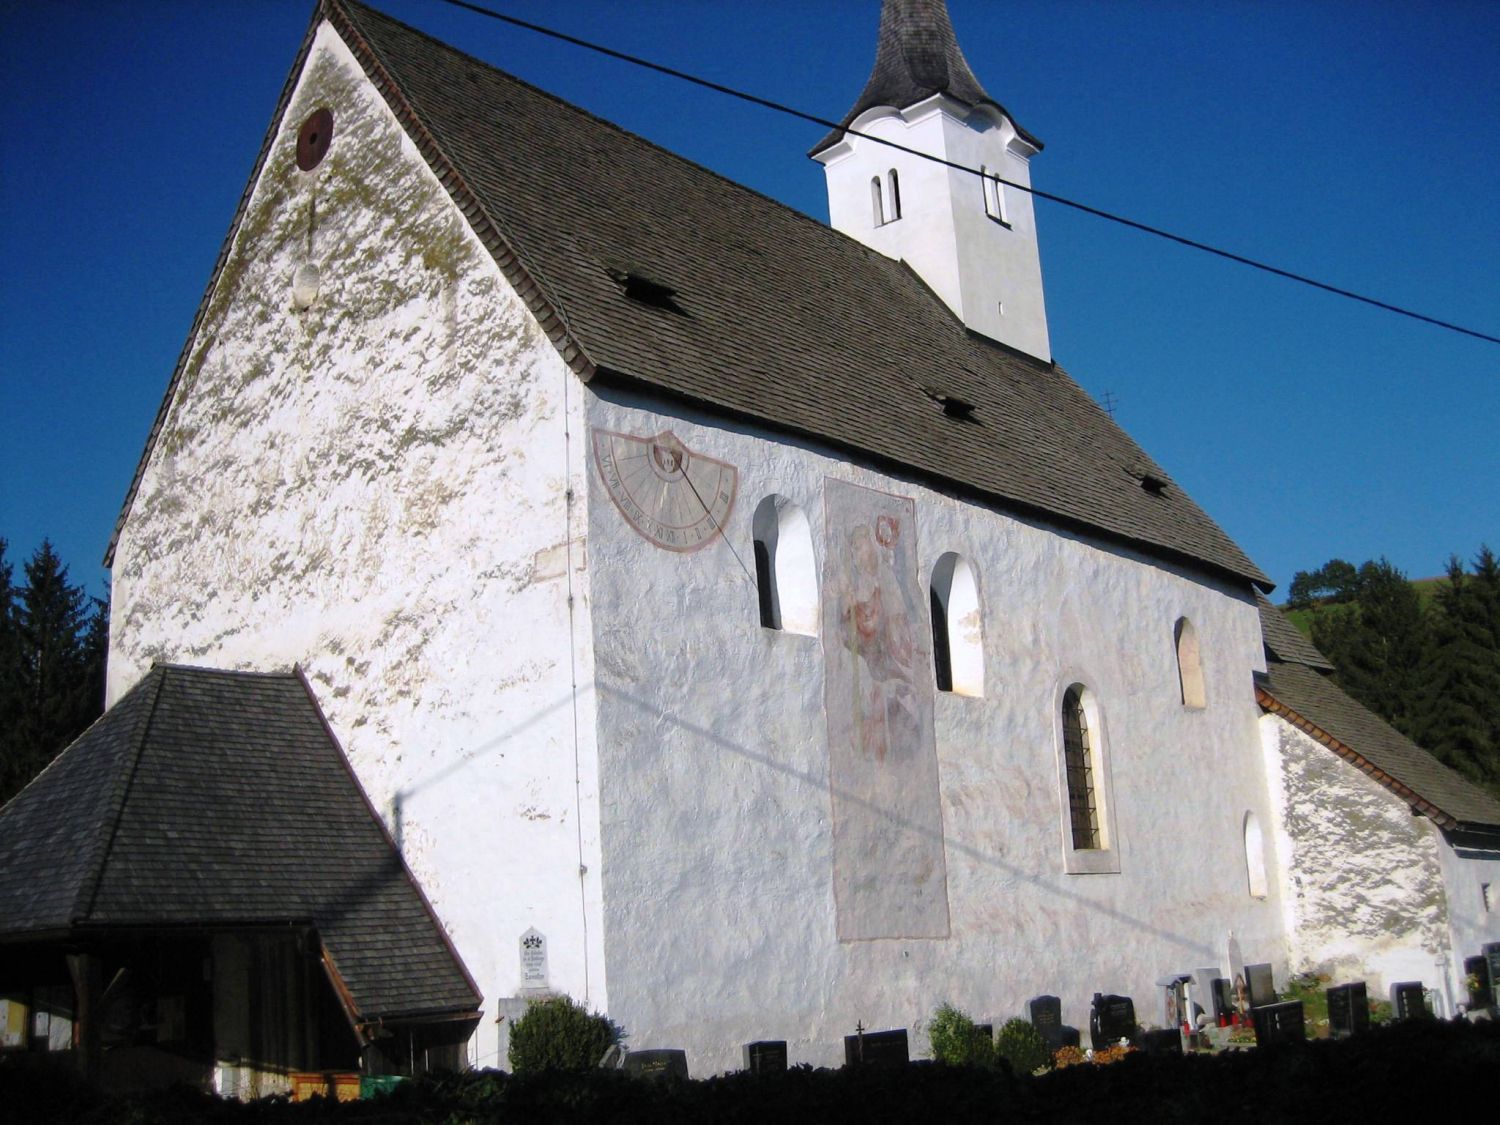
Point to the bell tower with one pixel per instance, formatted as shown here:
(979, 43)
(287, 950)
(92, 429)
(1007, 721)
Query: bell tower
(970, 237)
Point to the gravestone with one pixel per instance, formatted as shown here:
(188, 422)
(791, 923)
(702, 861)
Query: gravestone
(1348, 1010)
(876, 1048)
(1491, 954)
(533, 947)
(1262, 987)
(659, 1062)
(1223, 994)
(766, 1056)
(1111, 1019)
(1046, 1016)
(1162, 1041)
(1477, 969)
(1279, 1023)
(1407, 1000)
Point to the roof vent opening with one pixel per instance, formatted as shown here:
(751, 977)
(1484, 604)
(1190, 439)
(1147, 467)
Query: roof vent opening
(638, 287)
(953, 406)
(1153, 484)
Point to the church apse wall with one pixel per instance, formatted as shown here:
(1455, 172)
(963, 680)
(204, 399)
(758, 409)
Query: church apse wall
(375, 485)
(790, 848)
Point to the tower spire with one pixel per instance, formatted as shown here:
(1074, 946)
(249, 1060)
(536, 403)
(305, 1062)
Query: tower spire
(916, 56)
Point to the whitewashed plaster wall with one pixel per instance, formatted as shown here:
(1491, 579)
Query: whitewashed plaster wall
(714, 772)
(1364, 886)
(973, 262)
(377, 488)
(1471, 924)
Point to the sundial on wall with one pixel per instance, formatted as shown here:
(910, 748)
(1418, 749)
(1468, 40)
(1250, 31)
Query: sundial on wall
(676, 498)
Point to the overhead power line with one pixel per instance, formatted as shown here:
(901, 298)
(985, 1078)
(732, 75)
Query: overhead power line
(1109, 216)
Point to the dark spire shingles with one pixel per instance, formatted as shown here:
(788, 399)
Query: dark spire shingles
(917, 55)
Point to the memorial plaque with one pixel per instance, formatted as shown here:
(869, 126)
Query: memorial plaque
(1279, 1023)
(877, 1048)
(1111, 1019)
(1046, 1017)
(662, 1062)
(766, 1056)
(533, 962)
(1482, 993)
(1407, 1000)
(1348, 1010)
(1262, 987)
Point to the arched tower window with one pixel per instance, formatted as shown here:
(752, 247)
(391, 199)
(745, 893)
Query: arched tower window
(877, 205)
(785, 570)
(1255, 856)
(994, 195)
(1081, 764)
(895, 184)
(957, 627)
(1189, 666)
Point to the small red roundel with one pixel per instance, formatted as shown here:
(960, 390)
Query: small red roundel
(314, 138)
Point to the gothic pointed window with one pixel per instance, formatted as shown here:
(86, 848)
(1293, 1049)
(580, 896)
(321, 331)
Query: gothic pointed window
(1189, 665)
(957, 632)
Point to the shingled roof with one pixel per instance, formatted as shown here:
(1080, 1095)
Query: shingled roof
(776, 319)
(916, 56)
(1302, 693)
(220, 799)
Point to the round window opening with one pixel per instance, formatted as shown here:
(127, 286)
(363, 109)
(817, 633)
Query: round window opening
(314, 138)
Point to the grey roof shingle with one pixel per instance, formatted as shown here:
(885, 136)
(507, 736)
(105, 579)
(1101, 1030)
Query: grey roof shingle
(1302, 687)
(213, 798)
(917, 55)
(783, 321)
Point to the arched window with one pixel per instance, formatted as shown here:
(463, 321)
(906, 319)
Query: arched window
(876, 204)
(785, 570)
(957, 627)
(1081, 764)
(1189, 667)
(895, 183)
(994, 195)
(1255, 856)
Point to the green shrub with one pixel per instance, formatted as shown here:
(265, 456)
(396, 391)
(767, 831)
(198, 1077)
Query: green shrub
(1023, 1047)
(956, 1041)
(558, 1034)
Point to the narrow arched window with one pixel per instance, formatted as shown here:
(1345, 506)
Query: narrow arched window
(785, 570)
(876, 204)
(994, 195)
(895, 195)
(1189, 666)
(1079, 758)
(957, 629)
(1255, 856)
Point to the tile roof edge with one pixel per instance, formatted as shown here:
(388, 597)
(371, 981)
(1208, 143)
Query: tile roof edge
(88, 889)
(928, 478)
(1272, 705)
(501, 245)
(343, 759)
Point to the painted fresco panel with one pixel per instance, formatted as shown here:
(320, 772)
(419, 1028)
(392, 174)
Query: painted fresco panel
(889, 877)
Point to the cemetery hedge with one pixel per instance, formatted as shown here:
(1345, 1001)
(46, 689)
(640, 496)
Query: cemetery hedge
(1421, 1068)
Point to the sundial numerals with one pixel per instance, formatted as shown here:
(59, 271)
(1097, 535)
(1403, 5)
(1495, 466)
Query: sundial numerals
(676, 498)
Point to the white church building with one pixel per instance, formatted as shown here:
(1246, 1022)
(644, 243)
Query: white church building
(752, 610)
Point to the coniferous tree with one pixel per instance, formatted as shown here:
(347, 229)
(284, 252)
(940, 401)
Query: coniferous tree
(52, 651)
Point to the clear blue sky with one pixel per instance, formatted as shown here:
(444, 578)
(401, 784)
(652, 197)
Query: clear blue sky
(1355, 142)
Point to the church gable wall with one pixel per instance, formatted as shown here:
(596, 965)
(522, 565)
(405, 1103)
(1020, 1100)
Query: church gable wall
(377, 487)
(1364, 883)
(736, 770)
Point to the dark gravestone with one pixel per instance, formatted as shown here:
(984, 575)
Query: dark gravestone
(1407, 1000)
(1162, 1041)
(1111, 1019)
(1046, 1017)
(1279, 1023)
(877, 1048)
(1481, 992)
(1348, 1010)
(1223, 1000)
(1262, 987)
(767, 1056)
(664, 1062)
